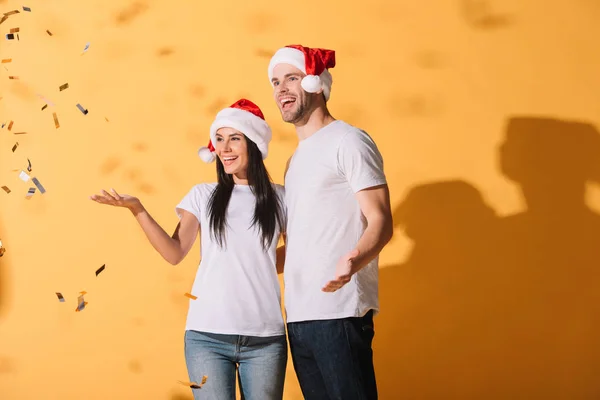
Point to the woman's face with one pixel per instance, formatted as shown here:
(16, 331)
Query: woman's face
(232, 150)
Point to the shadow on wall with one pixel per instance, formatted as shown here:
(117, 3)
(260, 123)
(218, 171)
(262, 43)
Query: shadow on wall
(499, 307)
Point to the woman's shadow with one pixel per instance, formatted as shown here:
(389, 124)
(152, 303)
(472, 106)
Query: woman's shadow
(489, 307)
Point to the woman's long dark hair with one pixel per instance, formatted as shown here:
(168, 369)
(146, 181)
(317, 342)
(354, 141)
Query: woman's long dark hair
(268, 209)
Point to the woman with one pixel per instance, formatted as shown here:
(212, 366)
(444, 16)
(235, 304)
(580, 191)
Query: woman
(236, 319)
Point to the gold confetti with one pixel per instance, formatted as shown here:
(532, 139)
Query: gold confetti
(195, 385)
(14, 30)
(100, 269)
(63, 87)
(2, 249)
(80, 303)
(15, 147)
(30, 193)
(82, 293)
(6, 60)
(191, 296)
(48, 32)
(6, 189)
(60, 297)
(10, 125)
(4, 18)
(11, 12)
(56, 124)
(20, 133)
(13, 77)
(44, 107)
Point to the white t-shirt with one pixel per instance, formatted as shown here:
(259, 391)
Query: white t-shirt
(325, 222)
(237, 287)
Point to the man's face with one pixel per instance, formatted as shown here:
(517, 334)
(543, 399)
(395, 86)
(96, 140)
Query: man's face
(292, 100)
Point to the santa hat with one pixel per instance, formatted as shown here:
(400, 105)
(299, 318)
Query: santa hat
(313, 62)
(246, 117)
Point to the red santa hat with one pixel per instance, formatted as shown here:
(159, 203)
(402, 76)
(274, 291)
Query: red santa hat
(246, 117)
(315, 63)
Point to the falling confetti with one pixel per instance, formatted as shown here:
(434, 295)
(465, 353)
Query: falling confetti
(83, 110)
(6, 189)
(2, 249)
(20, 133)
(60, 297)
(29, 165)
(56, 124)
(24, 177)
(6, 60)
(13, 77)
(63, 87)
(11, 13)
(195, 385)
(80, 302)
(100, 269)
(37, 183)
(10, 36)
(30, 193)
(15, 147)
(44, 107)
(191, 296)
(10, 125)
(26, 9)
(48, 32)
(87, 46)
(14, 30)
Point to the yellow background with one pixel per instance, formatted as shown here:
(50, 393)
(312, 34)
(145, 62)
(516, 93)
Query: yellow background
(489, 287)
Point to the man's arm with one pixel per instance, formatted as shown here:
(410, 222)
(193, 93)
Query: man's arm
(375, 205)
(281, 250)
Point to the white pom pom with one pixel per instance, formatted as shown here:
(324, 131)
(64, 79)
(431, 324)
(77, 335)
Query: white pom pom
(311, 83)
(206, 155)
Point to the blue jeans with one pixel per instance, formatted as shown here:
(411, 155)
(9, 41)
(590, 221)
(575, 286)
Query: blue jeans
(260, 361)
(333, 359)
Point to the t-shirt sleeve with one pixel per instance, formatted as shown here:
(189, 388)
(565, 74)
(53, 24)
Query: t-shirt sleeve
(360, 161)
(191, 202)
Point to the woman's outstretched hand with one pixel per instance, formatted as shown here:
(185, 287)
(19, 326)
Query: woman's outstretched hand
(118, 200)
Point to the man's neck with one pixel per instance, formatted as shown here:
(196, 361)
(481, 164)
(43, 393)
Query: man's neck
(319, 118)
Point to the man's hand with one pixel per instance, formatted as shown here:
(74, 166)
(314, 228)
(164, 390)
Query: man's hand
(343, 272)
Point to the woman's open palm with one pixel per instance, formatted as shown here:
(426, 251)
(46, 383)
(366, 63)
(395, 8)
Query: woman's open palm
(116, 199)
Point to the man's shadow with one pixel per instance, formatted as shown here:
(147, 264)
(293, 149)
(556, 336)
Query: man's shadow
(489, 307)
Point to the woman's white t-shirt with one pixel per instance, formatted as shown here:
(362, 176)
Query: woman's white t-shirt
(236, 286)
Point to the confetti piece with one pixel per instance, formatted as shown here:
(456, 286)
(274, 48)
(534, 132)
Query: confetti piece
(60, 297)
(83, 110)
(10, 125)
(82, 293)
(10, 36)
(63, 87)
(87, 46)
(6, 189)
(4, 18)
(56, 124)
(30, 193)
(195, 385)
(20, 133)
(2, 249)
(29, 165)
(24, 177)
(100, 269)
(6, 60)
(191, 296)
(81, 303)
(48, 32)
(45, 100)
(44, 107)
(14, 30)
(15, 147)
(11, 13)
(26, 9)
(13, 77)
(38, 185)
(106, 119)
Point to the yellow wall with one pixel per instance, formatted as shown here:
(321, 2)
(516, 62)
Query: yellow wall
(489, 287)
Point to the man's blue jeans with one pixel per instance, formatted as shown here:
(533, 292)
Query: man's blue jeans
(261, 363)
(333, 359)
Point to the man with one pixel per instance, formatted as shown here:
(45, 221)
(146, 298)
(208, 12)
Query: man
(339, 219)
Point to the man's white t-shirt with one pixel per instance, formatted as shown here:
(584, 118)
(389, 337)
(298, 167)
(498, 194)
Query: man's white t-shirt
(325, 222)
(237, 286)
